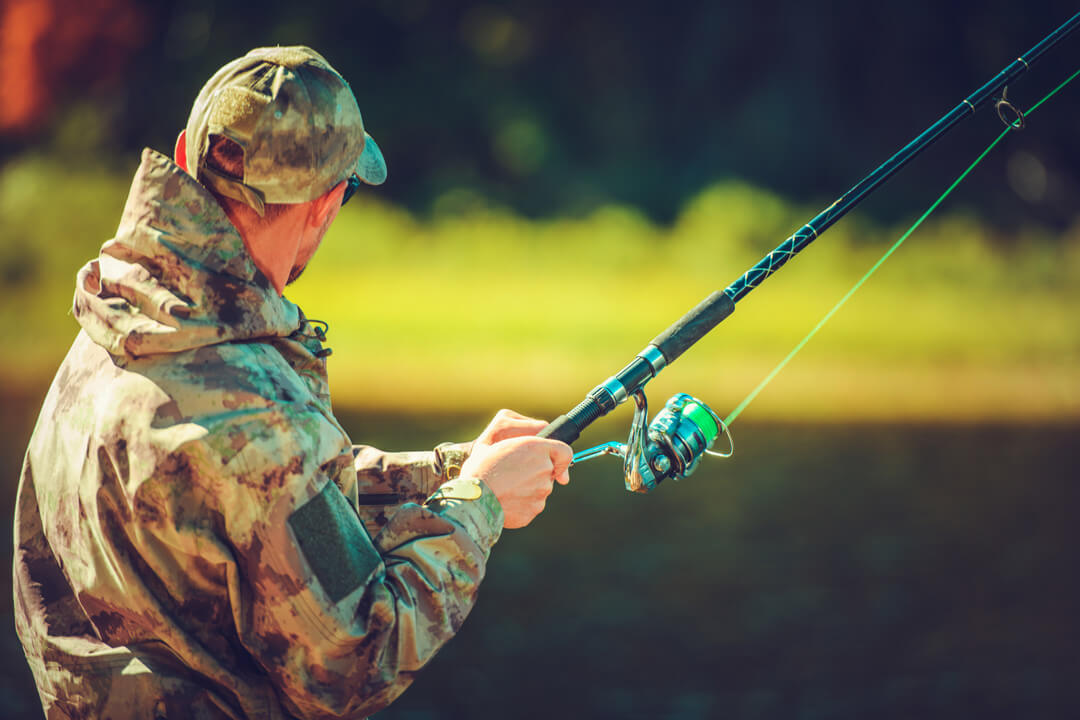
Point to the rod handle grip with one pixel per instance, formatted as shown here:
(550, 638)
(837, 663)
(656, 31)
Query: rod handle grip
(568, 427)
(694, 325)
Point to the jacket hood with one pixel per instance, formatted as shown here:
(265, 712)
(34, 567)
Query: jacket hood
(177, 275)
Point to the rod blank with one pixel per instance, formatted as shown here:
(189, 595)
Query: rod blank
(695, 324)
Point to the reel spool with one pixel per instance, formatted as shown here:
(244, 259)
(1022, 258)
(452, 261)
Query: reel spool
(669, 447)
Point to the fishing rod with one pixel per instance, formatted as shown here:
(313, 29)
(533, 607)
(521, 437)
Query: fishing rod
(685, 429)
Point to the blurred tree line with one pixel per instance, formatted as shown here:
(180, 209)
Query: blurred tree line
(559, 106)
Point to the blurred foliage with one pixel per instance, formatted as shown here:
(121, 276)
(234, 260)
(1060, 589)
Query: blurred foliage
(479, 306)
(561, 108)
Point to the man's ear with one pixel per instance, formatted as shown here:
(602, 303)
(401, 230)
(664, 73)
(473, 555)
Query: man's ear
(321, 207)
(180, 152)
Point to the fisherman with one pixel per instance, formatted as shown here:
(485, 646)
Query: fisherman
(196, 536)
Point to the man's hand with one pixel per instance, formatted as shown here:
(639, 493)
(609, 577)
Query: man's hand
(507, 424)
(518, 467)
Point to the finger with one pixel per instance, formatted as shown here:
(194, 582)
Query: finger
(547, 484)
(563, 478)
(521, 520)
(506, 415)
(508, 424)
(561, 458)
(515, 523)
(517, 428)
(561, 455)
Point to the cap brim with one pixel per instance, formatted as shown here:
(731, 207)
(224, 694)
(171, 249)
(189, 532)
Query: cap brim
(371, 168)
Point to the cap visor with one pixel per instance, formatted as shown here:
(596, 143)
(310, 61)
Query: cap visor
(371, 167)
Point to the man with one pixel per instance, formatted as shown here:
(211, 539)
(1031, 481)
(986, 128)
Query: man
(195, 534)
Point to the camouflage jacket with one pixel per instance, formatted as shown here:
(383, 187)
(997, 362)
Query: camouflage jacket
(195, 534)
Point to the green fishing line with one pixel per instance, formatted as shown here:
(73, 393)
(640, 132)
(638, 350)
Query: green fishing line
(768, 378)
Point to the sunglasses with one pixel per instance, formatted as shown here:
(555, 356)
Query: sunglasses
(353, 183)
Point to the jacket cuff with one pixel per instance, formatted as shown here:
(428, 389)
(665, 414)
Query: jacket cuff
(473, 505)
(449, 457)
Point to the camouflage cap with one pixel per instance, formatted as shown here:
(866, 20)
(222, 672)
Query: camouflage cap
(296, 120)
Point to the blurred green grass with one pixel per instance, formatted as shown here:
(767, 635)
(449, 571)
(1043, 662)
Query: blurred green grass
(475, 307)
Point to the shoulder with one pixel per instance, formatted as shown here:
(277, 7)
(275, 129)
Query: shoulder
(226, 378)
(243, 427)
(252, 412)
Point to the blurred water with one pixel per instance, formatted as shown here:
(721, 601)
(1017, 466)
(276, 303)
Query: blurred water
(824, 572)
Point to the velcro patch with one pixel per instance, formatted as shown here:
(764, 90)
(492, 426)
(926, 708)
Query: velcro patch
(334, 542)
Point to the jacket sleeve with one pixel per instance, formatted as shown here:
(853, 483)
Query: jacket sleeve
(341, 620)
(387, 480)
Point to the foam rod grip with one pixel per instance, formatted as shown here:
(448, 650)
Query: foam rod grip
(568, 427)
(694, 325)
(561, 428)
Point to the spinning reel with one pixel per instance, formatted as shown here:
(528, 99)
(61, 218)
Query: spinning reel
(669, 447)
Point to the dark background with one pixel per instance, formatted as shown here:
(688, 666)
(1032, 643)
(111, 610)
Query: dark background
(837, 571)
